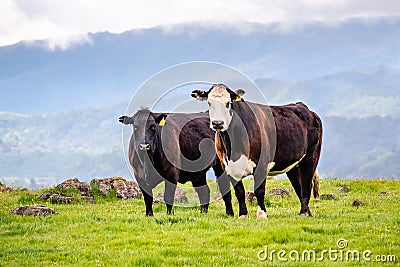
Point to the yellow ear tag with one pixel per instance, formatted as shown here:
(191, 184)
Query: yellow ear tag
(162, 122)
(238, 98)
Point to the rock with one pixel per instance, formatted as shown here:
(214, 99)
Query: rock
(33, 210)
(83, 188)
(344, 189)
(180, 197)
(4, 188)
(343, 195)
(383, 194)
(357, 203)
(123, 189)
(279, 192)
(328, 196)
(89, 199)
(56, 198)
(250, 197)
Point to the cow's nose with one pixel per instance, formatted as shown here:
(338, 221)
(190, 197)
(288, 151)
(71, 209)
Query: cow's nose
(217, 124)
(144, 147)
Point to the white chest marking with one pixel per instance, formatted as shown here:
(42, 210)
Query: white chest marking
(240, 168)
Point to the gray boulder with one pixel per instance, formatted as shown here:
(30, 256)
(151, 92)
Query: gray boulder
(33, 210)
(83, 188)
(123, 189)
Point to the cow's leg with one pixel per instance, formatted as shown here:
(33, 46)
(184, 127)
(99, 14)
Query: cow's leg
(203, 191)
(294, 176)
(240, 195)
(148, 200)
(307, 173)
(259, 192)
(147, 195)
(169, 195)
(302, 183)
(225, 189)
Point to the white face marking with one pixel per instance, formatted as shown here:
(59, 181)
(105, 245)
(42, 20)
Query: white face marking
(219, 105)
(240, 168)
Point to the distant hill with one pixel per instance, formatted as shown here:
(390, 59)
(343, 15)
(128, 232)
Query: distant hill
(357, 93)
(40, 150)
(45, 149)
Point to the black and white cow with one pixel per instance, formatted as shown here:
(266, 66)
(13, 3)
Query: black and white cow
(170, 148)
(259, 139)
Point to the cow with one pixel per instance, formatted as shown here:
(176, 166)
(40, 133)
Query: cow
(154, 147)
(263, 140)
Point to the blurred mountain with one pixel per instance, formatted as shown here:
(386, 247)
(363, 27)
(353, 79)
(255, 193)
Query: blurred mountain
(42, 150)
(51, 148)
(356, 93)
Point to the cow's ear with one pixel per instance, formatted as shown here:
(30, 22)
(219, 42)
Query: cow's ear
(238, 94)
(200, 95)
(160, 120)
(125, 120)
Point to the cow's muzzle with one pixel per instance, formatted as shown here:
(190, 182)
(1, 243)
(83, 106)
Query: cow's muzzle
(217, 125)
(144, 147)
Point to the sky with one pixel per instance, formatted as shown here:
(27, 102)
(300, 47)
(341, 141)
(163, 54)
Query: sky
(66, 22)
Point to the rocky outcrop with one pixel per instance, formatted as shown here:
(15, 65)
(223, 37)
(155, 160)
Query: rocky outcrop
(279, 192)
(357, 203)
(179, 197)
(56, 198)
(250, 197)
(4, 188)
(83, 188)
(33, 210)
(123, 189)
(330, 196)
(64, 193)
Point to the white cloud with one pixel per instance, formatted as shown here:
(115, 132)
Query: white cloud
(58, 20)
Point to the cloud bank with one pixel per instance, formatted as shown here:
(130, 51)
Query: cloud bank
(64, 22)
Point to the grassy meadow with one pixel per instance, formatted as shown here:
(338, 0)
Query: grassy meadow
(117, 233)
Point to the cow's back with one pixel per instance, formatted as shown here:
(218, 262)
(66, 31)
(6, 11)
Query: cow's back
(297, 123)
(192, 131)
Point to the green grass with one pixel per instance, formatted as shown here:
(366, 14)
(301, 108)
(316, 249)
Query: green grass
(116, 233)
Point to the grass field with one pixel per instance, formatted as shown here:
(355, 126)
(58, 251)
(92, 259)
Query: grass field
(116, 232)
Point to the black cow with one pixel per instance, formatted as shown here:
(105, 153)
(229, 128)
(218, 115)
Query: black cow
(248, 143)
(173, 148)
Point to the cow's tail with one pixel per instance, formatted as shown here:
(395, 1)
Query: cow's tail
(317, 123)
(315, 182)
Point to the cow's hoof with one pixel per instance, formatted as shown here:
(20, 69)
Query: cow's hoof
(244, 216)
(203, 208)
(261, 215)
(306, 214)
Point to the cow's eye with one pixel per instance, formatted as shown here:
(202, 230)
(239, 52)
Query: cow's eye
(135, 128)
(152, 127)
(228, 104)
(209, 104)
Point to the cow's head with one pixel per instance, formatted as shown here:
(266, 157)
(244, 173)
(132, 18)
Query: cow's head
(146, 130)
(220, 99)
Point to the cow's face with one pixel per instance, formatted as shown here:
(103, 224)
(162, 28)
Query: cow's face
(219, 99)
(146, 129)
